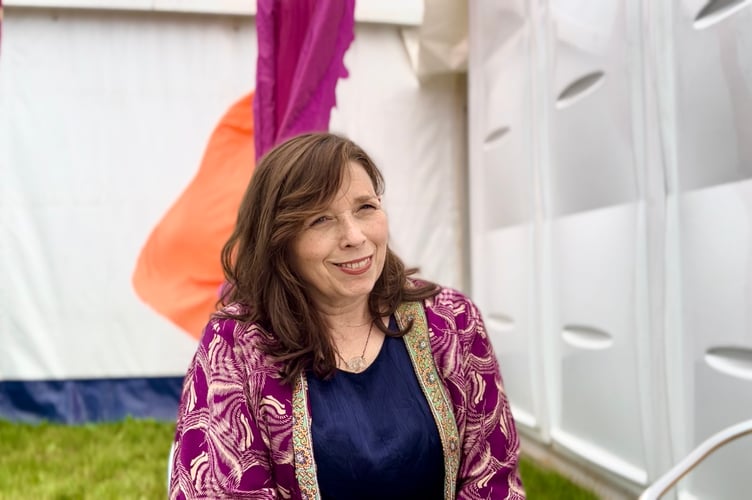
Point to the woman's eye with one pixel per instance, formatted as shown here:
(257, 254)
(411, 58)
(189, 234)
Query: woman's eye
(368, 206)
(320, 220)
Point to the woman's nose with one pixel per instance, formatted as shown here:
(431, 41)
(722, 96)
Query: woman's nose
(352, 232)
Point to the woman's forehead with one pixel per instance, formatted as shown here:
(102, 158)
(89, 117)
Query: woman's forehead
(356, 186)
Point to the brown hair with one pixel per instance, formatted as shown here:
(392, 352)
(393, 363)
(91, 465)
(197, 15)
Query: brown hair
(290, 184)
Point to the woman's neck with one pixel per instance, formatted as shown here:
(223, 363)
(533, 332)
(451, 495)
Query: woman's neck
(345, 320)
(345, 327)
(346, 309)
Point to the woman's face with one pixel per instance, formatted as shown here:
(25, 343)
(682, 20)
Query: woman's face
(341, 250)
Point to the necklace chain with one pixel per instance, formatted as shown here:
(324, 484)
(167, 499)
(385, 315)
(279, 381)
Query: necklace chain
(358, 363)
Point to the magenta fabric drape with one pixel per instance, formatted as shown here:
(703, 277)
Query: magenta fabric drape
(301, 47)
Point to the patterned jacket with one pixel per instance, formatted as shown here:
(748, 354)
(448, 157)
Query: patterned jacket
(241, 433)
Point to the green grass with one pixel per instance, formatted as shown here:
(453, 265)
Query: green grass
(545, 484)
(127, 460)
(116, 460)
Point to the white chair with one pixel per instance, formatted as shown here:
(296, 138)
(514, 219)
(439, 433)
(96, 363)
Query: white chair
(670, 478)
(169, 466)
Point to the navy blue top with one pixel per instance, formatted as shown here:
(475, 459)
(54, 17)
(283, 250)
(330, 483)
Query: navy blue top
(374, 436)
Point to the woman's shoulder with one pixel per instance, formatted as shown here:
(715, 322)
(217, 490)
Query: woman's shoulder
(231, 351)
(452, 313)
(225, 326)
(451, 301)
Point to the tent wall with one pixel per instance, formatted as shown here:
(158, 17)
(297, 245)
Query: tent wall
(610, 209)
(104, 117)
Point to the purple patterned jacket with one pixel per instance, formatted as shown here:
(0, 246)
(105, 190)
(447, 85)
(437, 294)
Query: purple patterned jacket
(241, 433)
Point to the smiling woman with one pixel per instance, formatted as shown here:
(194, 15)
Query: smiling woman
(271, 405)
(340, 254)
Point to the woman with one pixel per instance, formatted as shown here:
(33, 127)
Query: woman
(328, 372)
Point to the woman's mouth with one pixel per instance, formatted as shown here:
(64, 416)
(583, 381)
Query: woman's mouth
(355, 266)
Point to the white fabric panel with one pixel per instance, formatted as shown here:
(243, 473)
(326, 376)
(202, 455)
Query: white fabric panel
(712, 48)
(584, 233)
(641, 243)
(502, 204)
(596, 235)
(402, 12)
(104, 119)
(716, 253)
(439, 45)
(594, 261)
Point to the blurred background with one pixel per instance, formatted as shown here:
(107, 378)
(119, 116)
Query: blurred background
(580, 168)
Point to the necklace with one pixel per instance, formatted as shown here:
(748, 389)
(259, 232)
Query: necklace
(357, 363)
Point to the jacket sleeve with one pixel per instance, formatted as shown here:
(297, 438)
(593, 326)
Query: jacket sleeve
(489, 465)
(219, 450)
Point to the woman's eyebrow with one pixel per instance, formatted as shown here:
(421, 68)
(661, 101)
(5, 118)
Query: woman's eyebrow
(365, 197)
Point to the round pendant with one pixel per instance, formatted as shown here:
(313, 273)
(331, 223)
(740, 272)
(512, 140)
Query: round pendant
(356, 364)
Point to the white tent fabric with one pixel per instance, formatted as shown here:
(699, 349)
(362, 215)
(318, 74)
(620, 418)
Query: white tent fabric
(439, 45)
(610, 176)
(104, 117)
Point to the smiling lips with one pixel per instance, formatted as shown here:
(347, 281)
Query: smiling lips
(356, 266)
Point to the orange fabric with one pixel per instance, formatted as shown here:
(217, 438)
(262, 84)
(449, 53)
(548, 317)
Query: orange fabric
(178, 272)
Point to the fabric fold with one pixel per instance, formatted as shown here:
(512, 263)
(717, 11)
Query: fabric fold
(301, 49)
